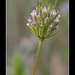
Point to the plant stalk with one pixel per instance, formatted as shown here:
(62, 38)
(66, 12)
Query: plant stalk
(37, 56)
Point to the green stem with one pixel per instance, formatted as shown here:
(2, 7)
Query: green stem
(37, 56)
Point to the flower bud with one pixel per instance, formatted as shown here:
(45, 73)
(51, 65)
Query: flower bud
(46, 20)
(33, 23)
(44, 10)
(56, 20)
(33, 13)
(53, 13)
(56, 27)
(29, 20)
(58, 16)
(51, 25)
(41, 26)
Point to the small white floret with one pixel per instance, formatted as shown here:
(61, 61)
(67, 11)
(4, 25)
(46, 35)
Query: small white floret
(28, 24)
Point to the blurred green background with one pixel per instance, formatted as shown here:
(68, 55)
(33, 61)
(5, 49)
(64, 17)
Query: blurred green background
(22, 44)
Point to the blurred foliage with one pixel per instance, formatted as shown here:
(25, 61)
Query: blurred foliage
(57, 1)
(65, 52)
(18, 64)
(66, 17)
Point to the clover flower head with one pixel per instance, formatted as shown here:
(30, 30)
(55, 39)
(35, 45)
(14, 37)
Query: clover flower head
(44, 20)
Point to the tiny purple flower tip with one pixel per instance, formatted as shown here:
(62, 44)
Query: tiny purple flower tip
(44, 10)
(58, 16)
(53, 13)
(56, 20)
(33, 13)
(41, 26)
(57, 11)
(46, 19)
(29, 20)
(33, 23)
(51, 26)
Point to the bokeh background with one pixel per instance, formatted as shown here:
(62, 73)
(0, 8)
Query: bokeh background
(22, 44)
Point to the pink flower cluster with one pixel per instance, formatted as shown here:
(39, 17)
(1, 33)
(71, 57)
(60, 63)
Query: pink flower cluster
(43, 16)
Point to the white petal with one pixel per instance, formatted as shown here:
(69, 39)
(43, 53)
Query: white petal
(28, 24)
